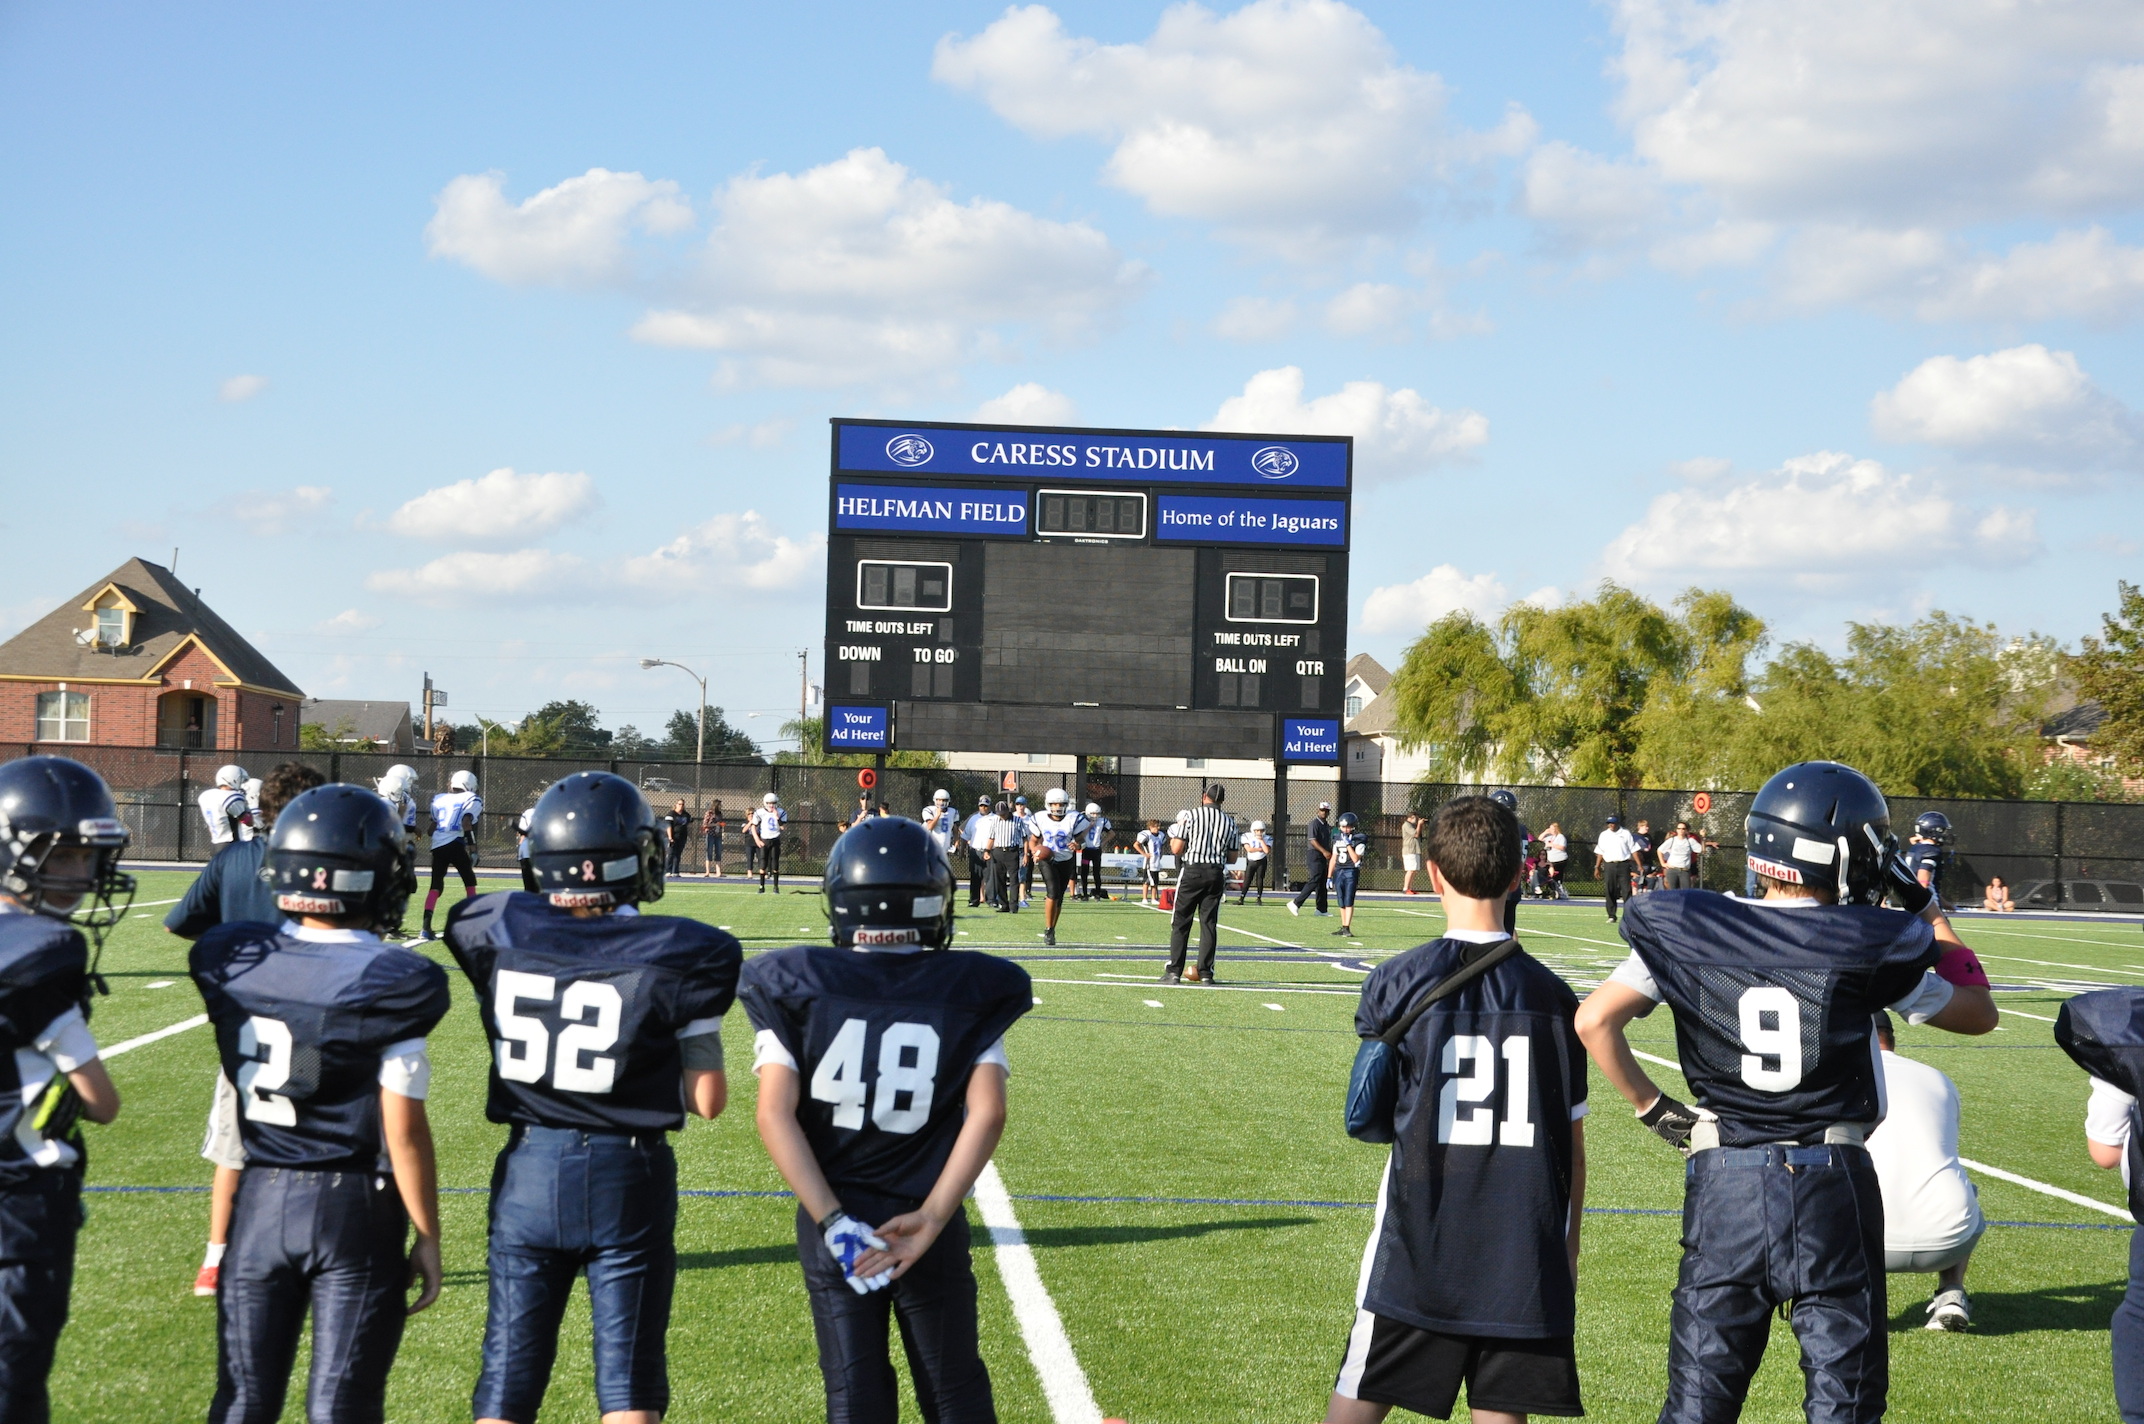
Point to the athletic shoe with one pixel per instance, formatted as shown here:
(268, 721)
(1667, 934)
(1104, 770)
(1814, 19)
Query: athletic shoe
(1168, 978)
(1295, 909)
(1322, 914)
(1950, 1310)
(1209, 981)
(205, 1281)
(1049, 937)
(1343, 930)
(427, 937)
(762, 889)
(1025, 903)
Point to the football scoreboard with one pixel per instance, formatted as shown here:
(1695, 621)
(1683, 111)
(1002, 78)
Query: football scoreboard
(1001, 588)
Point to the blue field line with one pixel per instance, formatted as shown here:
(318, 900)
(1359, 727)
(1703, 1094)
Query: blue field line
(1073, 1200)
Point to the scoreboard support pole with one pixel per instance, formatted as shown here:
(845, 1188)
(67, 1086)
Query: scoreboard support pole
(1280, 822)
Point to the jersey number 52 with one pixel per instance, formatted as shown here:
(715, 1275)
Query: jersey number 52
(907, 1069)
(589, 1011)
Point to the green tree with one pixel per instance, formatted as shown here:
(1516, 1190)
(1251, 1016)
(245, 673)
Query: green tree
(2109, 670)
(574, 726)
(725, 742)
(316, 737)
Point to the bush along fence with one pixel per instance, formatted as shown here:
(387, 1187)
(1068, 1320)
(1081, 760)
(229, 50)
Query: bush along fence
(2053, 854)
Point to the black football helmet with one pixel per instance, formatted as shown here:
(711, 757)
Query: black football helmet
(338, 851)
(888, 883)
(1823, 824)
(1934, 826)
(1506, 800)
(592, 843)
(48, 803)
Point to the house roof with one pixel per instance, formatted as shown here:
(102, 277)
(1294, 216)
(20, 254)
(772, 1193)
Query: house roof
(374, 721)
(1379, 717)
(167, 616)
(1371, 671)
(2080, 721)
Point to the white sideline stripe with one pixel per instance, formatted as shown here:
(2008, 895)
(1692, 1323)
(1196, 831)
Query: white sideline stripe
(1530, 930)
(1980, 927)
(145, 904)
(1049, 1349)
(2023, 1015)
(2058, 964)
(2043, 1188)
(133, 1043)
(1201, 988)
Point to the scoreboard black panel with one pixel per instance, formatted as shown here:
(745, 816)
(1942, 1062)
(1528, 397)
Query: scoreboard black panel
(1155, 593)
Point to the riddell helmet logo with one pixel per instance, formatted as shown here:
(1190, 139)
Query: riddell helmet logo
(1276, 462)
(909, 450)
(872, 937)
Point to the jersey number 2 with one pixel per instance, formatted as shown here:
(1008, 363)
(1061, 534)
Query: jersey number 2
(839, 1078)
(579, 1065)
(1478, 1126)
(256, 1076)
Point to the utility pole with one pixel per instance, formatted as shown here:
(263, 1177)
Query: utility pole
(803, 696)
(699, 751)
(428, 711)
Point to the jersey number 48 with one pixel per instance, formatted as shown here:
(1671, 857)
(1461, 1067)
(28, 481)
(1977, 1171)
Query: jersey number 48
(589, 1011)
(907, 1068)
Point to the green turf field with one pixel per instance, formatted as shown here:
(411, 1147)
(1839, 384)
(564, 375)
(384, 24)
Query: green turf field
(1176, 1158)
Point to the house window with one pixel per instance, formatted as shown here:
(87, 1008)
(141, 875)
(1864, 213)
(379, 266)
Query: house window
(1038, 758)
(275, 717)
(63, 716)
(1194, 763)
(112, 627)
(1354, 705)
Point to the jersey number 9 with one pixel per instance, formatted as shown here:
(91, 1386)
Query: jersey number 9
(907, 1067)
(524, 1047)
(1779, 1041)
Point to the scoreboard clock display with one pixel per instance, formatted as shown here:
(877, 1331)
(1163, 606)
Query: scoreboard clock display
(1114, 592)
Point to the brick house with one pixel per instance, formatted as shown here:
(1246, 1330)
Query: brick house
(138, 660)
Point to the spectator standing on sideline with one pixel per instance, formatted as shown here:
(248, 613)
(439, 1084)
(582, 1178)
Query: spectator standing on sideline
(1642, 862)
(1410, 851)
(1007, 834)
(975, 835)
(1204, 841)
(677, 826)
(1256, 848)
(1027, 862)
(1557, 846)
(1931, 1212)
(711, 828)
(229, 889)
(1996, 899)
(1678, 857)
(1613, 855)
(1318, 869)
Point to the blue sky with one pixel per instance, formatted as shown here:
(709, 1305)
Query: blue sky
(499, 341)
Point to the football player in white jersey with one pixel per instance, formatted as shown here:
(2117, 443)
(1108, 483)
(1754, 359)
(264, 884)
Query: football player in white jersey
(1053, 844)
(224, 807)
(456, 812)
(398, 788)
(765, 828)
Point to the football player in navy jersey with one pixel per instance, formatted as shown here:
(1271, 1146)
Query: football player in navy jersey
(1471, 1268)
(60, 842)
(321, 1027)
(1510, 803)
(881, 1063)
(2103, 1033)
(606, 1029)
(1928, 853)
(1773, 1004)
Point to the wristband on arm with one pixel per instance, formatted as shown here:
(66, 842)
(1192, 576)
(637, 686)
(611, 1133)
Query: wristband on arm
(1960, 966)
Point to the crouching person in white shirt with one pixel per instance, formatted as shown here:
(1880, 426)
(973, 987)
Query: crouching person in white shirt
(1931, 1212)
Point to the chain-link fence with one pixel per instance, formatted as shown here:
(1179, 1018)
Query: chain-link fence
(2053, 854)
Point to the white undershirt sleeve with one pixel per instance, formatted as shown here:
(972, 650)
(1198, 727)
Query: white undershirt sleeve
(995, 1053)
(406, 1069)
(767, 1048)
(1929, 998)
(68, 1042)
(2106, 1114)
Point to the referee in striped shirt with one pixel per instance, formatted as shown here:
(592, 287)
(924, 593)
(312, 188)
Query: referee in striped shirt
(1203, 842)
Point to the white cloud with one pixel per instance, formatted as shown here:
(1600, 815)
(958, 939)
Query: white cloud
(241, 388)
(858, 270)
(1410, 607)
(501, 507)
(1582, 200)
(1255, 319)
(2083, 274)
(730, 551)
(573, 233)
(1029, 403)
(1821, 522)
(2027, 407)
(1397, 433)
(452, 578)
(1288, 122)
(350, 620)
(268, 514)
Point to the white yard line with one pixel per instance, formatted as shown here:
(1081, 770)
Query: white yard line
(1663, 1062)
(1234, 929)
(1201, 988)
(2023, 1015)
(1064, 1383)
(1529, 930)
(2059, 964)
(133, 1043)
(1980, 928)
(2043, 1188)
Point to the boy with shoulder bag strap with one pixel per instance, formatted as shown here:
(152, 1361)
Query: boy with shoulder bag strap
(1471, 1268)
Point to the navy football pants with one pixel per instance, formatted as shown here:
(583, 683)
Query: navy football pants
(564, 1203)
(336, 1241)
(38, 1222)
(935, 1305)
(1762, 1226)
(2129, 1338)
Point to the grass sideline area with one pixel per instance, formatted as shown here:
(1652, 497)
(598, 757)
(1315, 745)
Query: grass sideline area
(1176, 1158)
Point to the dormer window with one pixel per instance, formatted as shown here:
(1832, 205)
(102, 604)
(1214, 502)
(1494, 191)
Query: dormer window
(114, 613)
(1354, 706)
(112, 627)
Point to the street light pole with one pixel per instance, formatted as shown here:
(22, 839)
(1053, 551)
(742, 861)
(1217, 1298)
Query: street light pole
(699, 751)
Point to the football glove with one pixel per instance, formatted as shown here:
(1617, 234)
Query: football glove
(1904, 886)
(1671, 1121)
(57, 1111)
(846, 1240)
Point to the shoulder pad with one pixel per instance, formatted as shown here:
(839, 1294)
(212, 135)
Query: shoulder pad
(2103, 1033)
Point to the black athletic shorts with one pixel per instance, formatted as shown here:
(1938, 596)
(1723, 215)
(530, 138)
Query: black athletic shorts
(1388, 1362)
(454, 856)
(1057, 877)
